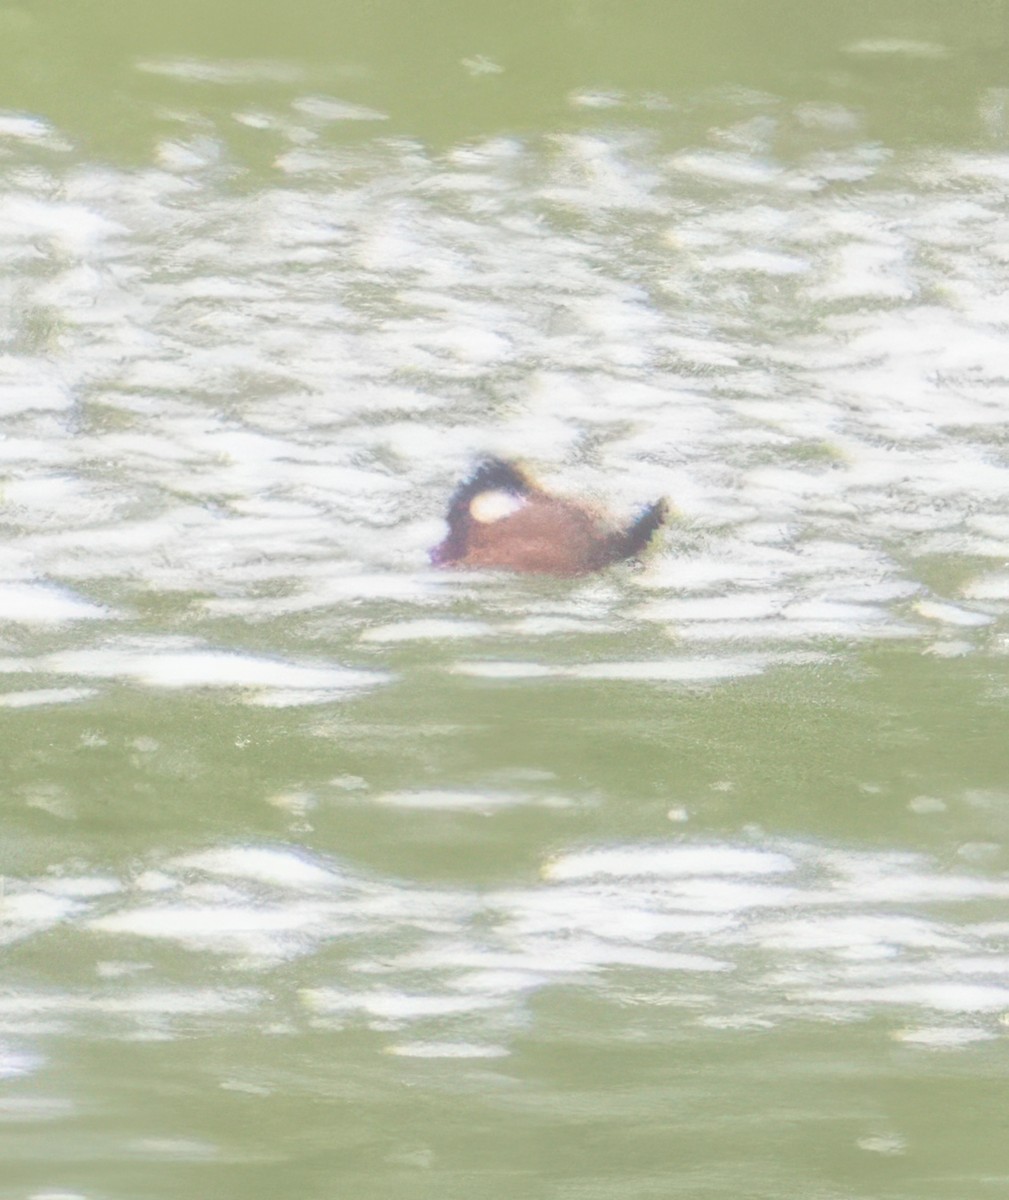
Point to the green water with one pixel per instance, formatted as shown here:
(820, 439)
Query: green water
(326, 874)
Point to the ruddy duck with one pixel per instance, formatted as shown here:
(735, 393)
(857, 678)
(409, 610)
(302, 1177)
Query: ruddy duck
(500, 520)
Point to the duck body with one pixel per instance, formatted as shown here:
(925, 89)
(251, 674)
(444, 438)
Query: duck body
(498, 519)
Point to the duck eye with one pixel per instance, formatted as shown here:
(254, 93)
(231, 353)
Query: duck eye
(488, 507)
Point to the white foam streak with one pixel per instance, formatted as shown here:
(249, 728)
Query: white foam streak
(34, 604)
(668, 863)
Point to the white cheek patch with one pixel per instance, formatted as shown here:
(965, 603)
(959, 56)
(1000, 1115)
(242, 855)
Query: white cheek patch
(489, 507)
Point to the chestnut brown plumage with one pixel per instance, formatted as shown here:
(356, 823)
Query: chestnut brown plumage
(500, 519)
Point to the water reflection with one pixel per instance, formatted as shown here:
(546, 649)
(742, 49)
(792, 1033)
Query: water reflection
(726, 936)
(258, 400)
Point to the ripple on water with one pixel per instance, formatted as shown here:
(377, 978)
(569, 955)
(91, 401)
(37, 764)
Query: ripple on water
(176, 663)
(259, 397)
(36, 604)
(724, 934)
(277, 442)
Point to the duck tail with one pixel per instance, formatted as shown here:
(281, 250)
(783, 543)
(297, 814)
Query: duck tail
(632, 541)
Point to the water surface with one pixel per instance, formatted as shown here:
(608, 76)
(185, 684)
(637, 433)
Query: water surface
(326, 871)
